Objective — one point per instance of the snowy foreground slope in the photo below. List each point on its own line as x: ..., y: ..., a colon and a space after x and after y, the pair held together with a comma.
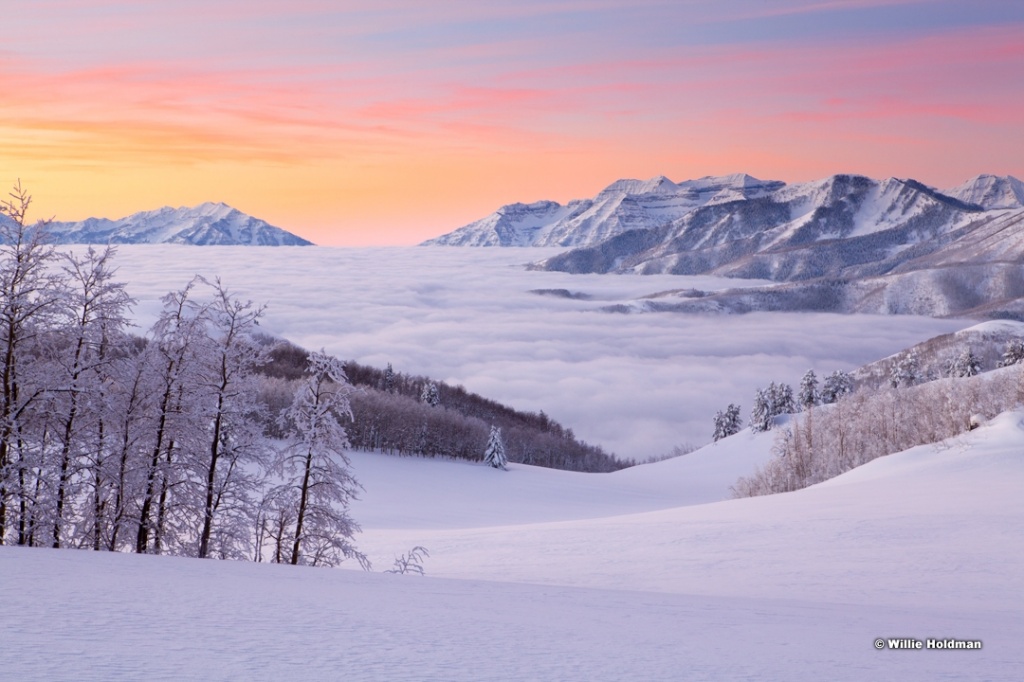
x: 526, y: 585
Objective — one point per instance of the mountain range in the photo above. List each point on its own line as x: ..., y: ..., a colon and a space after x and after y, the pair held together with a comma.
x: 847, y: 243
x: 208, y: 224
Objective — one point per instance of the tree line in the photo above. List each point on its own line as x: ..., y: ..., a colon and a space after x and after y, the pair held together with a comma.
x: 406, y: 414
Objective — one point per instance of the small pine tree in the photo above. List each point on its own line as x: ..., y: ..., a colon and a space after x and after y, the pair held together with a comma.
x: 495, y: 452
x: 389, y: 378
x: 964, y: 364
x: 809, y: 396
x: 430, y: 395
x: 780, y: 397
x: 837, y: 384
x: 1014, y: 353
x: 727, y: 423
x: 761, y: 414
x: 905, y: 371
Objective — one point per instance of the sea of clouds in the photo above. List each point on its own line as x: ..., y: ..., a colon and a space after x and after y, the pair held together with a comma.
x: 637, y: 384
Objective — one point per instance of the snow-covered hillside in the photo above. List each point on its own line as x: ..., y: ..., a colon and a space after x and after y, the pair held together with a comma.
x: 203, y: 225
x: 525, y: 582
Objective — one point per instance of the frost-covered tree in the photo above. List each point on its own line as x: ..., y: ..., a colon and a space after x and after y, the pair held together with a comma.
x: 761, y: 413
x: 389, y: 378
x: 809, y: 395
x: 905, y: 370
x: 318, y: 481
x: 172, y: 361
x: 430, y: 395
x: 781, y: 397
x: 227, y: 467
x: 769, y: 403
x: 30, y: 297
x: 86, y: 344
x: 494, y: 454
x: 1013, y: 354
x: 964, y: 364
x: 727, y: 422
x: 836, y: 385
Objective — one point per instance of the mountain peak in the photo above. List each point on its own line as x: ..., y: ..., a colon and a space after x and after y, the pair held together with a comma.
x: 657, y: 184
x: 209, y: 223
x: 991, y: 191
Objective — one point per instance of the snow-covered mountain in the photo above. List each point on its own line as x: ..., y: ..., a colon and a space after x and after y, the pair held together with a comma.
x: 840, y: 226
x: 991, y: 191
x: 203, y: 225
x: 622, y: 206
x: 843, y: 225
x: 846, y: 243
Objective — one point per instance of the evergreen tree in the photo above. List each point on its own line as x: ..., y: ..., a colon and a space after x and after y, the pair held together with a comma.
x: 964, y: 364
x: 905, y: 371
x: 809, y: 396
x: 1013, y: 354
x: 495, y: 452
x: 769, y: 403
x: 761, y: 414
x: 389, y: 378
x: 728, y: 422
x: 430, y: 395
x: 780, y: 397
x: 837, y: 384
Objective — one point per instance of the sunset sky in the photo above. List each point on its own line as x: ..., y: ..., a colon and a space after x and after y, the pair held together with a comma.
x: 389, y: 122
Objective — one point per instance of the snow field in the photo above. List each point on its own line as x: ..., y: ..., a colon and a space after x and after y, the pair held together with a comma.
x: 919, y: 544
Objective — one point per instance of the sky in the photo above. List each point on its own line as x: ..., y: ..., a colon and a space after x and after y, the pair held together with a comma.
x: 387, y: 123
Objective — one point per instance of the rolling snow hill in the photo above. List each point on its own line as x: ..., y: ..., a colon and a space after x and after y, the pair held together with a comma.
x: 209, y: 224
x: 592, y: 583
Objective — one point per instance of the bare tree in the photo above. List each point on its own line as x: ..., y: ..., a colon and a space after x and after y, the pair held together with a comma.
x: 29, y: 297
x: 318, y: 481
x: 235, y: 440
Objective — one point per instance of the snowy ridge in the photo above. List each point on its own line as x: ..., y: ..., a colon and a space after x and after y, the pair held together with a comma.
x: 846, y: 243
x: 208, y: 224
x: 622, y: 206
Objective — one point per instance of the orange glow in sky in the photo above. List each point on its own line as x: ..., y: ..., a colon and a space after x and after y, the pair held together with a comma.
x: 355, y: 124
